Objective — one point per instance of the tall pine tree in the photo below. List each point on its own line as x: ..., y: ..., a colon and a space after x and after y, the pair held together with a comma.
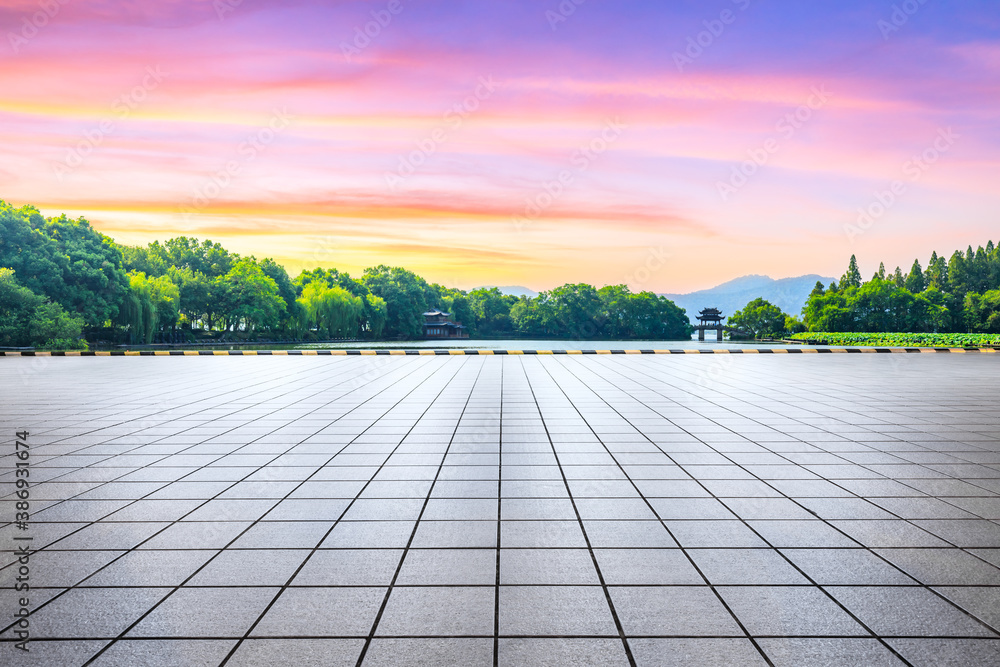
x: 853, y: 276
x: 915, y: 279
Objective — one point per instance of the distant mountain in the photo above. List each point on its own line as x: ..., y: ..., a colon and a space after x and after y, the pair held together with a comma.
x: 789, y: 294
x: 513, y: 290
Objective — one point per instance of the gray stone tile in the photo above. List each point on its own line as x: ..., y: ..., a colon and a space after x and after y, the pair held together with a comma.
x: 438, y: 612
x: 516, y: 488
x: 349, y: 567
x: 802, y: 534
x: 789, y: 611
x: 695, y: 651
x: 982, y: 602
x: 964, y: 532
x: 541, y: 534
x: 89, y: 613
x: 827, y: 652
x: 646, y: 567
x: 448, y: 567
x: 43, y: 653
x: 675, y: 610
x: 194, y: 612
x: 250, y: 567
x: 894, y: 533
x: 536, y: 509
x: 283, y: 535
x: 562, y: 652
x: 298, y: 652
x: 233, y: 510
x: 370, y: 509
x: 988, y: 555
x: 81, y: 510
x: 943, y: 567
x: 921, y: 508
x: 165, y: 652
x: 948, y: 652
x: 690, y: 508
x: 160, y: 510
x: 907, y: 612
x: 197, y: 535
x: 61, y: 569
x: 745, y: 566
x: 369, y: 535
x: 308, y: 509
x: 455, y: 534
x: 844, y: 508
x: 706, y: 534
x: 555, y: 611
x: 846, y: 567
x: 150, y: 568
x: 110, y: 536
x: 848, y: 462
x: 321, y: 612
x: 740, y: 488
x: 624, y: 509
x: 429, y: 652
x: 564, y: 567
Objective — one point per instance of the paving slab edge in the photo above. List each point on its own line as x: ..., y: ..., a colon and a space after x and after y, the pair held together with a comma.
x: 471, y: 352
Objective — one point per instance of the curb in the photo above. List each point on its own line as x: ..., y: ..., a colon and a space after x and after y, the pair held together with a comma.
x: 470, y: 352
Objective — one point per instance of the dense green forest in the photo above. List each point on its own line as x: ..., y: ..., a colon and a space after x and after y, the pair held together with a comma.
x: 956, y: 295
x: 62, y: 284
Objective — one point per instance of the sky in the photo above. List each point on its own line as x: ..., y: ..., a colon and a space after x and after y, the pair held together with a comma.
x: 668, y: 145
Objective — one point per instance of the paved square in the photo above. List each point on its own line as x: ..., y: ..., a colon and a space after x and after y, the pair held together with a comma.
x: 505, y: 510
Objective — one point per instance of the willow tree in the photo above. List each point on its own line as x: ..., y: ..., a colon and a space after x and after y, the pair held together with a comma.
x: 332, y: 310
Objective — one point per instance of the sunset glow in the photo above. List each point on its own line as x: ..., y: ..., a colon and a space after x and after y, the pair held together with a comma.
x: 528, y: 143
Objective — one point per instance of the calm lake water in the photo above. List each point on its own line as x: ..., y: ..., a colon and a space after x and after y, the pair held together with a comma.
x: 535, y: 345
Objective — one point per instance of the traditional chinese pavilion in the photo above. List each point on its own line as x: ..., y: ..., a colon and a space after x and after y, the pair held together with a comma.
x: 710, y: 318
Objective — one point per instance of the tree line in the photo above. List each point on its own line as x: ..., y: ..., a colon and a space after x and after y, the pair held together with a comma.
x: 960, y: 294
x: 63, y: 283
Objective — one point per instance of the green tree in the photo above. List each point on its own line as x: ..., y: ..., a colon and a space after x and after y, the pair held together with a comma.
x: 461, y: 312
x: 250, y: 299
x: 937, y: 273
x: 407, y: 297
x: 151, y: 306
x: 65, y: 260
x: 794, y: 325
x: 205, y: 257
x: 915, y: 282
x: 759, y: 318
x: 898, y: 278
x: 641, y: 316
x: 572, y: 311
x: 852, y: 278
x: 491, y: 309
x: 526, y: 317
x: 196, y: 294
x: 376, y: 314
x: 30, y: 320
x: 286, y: 289
x: 136, y: 259
x: 982, y: 312
x: 335, y: 312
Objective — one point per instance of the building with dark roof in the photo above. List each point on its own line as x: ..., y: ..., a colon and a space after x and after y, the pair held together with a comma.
x: 438, y: 325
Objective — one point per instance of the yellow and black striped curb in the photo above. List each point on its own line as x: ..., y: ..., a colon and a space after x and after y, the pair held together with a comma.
x: 470, y: 352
